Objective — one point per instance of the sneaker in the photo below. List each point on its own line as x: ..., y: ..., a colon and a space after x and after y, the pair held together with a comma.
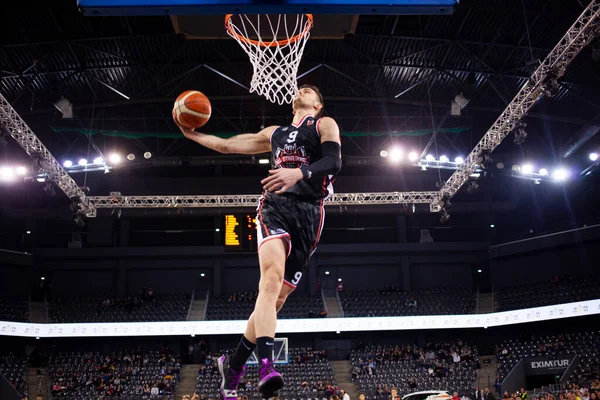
x: 230, y: 379
x: 270, y: 381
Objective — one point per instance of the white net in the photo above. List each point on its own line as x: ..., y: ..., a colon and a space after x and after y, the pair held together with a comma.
x: 275, y: 44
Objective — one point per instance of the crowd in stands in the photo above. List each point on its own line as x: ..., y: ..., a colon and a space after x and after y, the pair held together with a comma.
x: 126, y: 374
x: 240, y: 305
x: 14, y: 310
x: 448, y: 366
x: 584, y: 344
x: 308, y: 375
x: 143, y: 307
x: 14, y: 370
x: 391, y: 301
x: 562, y: 289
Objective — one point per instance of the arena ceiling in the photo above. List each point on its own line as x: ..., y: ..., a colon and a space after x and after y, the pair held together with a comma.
x: 389, y: 83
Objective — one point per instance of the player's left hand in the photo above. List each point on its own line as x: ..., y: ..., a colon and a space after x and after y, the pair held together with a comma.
x: 280, y: 180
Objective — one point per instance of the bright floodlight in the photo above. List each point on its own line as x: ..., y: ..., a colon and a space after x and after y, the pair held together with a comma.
x: 383, y: 153
x: 429, y: 158
x: 7, y: 174
x: 114, y: 158
x: 68, y: 164
x: 459, y: 160
x: 21, y: 170
x: 396, y: 155
x: 82, y: 162
x: 98, y: 161
x: 444, y: 159
x: 147, y: 155
x: 593, y: 156
x: 560, y: 175
x: 131, y: 156
x: 543, y: 172
x: 527, y: 169
x: 413, y: 156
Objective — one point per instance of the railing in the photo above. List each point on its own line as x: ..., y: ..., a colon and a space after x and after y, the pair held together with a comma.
x: 191, y: 305
x: 324, y: 301
x: 206, y: 304
x: 337, y: 296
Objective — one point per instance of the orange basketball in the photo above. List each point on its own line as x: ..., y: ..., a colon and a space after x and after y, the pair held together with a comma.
x: 192, y: 109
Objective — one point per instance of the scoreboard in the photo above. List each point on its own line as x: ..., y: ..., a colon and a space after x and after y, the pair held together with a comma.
x: 240, y: 232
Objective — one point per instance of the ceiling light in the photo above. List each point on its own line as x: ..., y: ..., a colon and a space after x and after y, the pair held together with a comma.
x: 339, y: 279
x: 413, y: 156
x: 43, y: 278
x: 114, y: 158
x: 147, y: 155
x: 41, y: 179
x: 479, y: 270
x: 492, y: 226
x: 203, y: 274
x: 28, y: 232
x: 263, y: 161
x: 429, y: 158
x: 68, y: 164
x: 396, y: 155
x: 217, y: 230
x: 21, y: 170
x: 326, y: 272
x: 383, y: 153
x: 527, y: 169
x: 7, y: 174
x: 82, y: 162
x: 444, y: 159
x: 560, y: 174
x: 459, y: 160
x: 98, y: 161
x: 131, y: 156
x: 543, y: 172
x: 593, y: 156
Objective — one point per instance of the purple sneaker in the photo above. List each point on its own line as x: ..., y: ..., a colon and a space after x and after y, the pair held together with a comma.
x: 230, y: 379
x: 270, y: 381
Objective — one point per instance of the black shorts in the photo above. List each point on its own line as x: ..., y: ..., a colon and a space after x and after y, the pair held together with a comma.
x: 299, y: 222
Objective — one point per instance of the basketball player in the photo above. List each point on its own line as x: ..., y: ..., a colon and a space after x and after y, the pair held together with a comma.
x: 305, y: 157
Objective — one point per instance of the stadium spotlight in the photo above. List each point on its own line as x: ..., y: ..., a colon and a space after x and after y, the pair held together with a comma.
x: 413, y: 156
x: 473, y: 186
x: 527, y: 169
x: 396, y: 155
x: 484, y: 159
x: 444, y: 159
x: 520, y: 136
x: 326, y: 272
x: 383, y: 153
x: 131, y: 156
x: 98, y: 161
x: 114, y: 158
x: 202, y: 274
x: 147, y: 155
x: 82, y: 162
x: 21, y: 170
x: 339, y: 279
x: 543, y: 172
x: 459, y: 160
x: 560, y: 175
x: 593, y: 156
x: 7, y: 174
x: 479, y: 270
x: 68, y: 164
x: 429, y: 158
x: 492, y: 226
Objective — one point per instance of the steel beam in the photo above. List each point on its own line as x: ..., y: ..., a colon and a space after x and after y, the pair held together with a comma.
x: 577, y: 37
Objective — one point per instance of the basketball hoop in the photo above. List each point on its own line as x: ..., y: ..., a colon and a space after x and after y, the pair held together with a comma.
x: 275, y: 53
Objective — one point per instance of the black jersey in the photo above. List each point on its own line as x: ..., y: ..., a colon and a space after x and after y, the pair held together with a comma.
x: 295, y: 145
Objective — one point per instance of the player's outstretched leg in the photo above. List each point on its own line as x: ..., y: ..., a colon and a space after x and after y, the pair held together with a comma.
x: 272, y: 257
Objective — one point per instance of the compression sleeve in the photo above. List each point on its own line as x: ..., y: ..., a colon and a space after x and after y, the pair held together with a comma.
x: 329, y: 164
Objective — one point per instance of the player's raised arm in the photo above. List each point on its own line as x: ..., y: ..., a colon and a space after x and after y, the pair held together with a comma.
x: 246, y: 143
